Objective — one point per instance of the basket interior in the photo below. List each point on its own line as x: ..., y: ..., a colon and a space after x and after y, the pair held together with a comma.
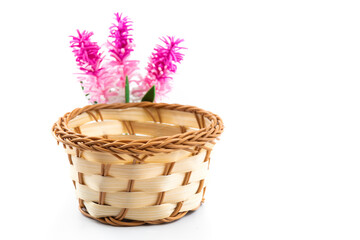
x: 136, y: 123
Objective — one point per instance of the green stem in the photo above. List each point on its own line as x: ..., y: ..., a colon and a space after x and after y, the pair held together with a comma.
x: 127, y: 90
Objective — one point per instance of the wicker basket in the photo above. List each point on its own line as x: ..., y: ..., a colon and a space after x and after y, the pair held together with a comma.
x: 138, y: 163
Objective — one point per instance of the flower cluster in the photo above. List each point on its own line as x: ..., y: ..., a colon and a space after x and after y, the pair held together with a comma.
x: 122, y: 44
x: 86, y: 52
x: 120, y: 48
x: 161, y: 66
x: 96, y: 87
x: 103, y: 80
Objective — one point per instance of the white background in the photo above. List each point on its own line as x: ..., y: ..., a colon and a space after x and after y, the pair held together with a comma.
x: 283, y: 75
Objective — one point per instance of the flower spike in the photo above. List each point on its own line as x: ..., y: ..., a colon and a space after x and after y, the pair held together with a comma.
x: 120, y: 47
x: 86, y: 52
x: 96, y: 86
x: 122, y: 44
x: 161, y: 66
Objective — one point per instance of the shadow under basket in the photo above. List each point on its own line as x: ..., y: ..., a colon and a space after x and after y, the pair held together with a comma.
x: 138, y: 163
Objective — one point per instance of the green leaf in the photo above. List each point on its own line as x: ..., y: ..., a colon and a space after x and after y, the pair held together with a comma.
x: 150, y: 95
x: 127, y: 90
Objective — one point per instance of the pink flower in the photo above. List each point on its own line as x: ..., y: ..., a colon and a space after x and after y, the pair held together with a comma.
x: 120, y: 48
x: 98, y: 88
x: 122, y: 45
x: 86, y: 52
x: 94, y: 79
x: 117, y: 73
x: 161, y: 67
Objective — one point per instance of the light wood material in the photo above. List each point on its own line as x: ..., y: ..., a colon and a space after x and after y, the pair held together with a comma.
x: 137, y: 199
x: 139, y: 115
x: 138, y: 163
x: 155, y: 184
x: 101, y: 157
x: 146, y: 213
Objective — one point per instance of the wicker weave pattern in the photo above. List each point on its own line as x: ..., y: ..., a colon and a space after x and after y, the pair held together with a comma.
x: 138, y: 163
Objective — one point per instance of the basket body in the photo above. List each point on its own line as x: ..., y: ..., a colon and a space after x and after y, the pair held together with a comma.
x: 138, y: 163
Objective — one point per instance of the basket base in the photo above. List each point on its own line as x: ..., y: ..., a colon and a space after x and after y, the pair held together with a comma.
x: 130, y: 223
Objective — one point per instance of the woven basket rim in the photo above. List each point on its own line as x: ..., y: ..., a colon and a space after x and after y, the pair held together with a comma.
x: 163, y: 144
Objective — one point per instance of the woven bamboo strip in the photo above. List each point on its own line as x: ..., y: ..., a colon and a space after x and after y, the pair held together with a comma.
x: 143, y: 214
x: 117, y: 130
x: 99, y: 129
x: 138, y: 172
x: 137, y: 199
x: 156, y: 184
